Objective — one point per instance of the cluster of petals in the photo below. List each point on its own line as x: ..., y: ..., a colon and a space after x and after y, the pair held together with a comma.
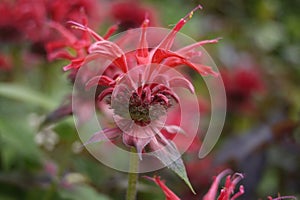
x: 226, y: 193
x: 144, y: 95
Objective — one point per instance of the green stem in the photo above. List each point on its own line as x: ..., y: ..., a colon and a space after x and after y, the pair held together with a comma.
x: 132, y: 175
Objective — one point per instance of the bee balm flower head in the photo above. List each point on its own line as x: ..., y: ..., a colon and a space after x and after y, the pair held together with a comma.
x: 139, y: 84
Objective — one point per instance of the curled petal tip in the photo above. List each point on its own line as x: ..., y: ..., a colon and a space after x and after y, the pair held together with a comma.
x: 146, y: 23
x: 74, y: 25
x: 200, y: 6
x: 67, y: 67
x: 215, y: 74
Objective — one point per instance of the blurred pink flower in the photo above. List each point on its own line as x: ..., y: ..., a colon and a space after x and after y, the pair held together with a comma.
x: 64, y: 11
x: 5, y: 62
x: 27, y: 20
x: 241, y: 85
x: 131, y: 14
x: 51, y: 168
x: 9, y: 31
x: 20, y: 19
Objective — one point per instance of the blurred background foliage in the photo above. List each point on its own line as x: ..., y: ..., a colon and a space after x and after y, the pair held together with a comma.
x: 259, y: 57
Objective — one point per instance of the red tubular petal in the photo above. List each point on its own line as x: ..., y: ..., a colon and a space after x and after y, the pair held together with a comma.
x: 65, y: 32
x: 160, y: 79
x: 223, y: 195
x: 161, y: 97
x: 173, y: 129
x: 147, y: 98
x: 161, y: 54
x: 128, y: 139
x: 104, y: 135
x: 211, y: 194
x: 142, y: 52
x: 110, y: 31
x: 99, y: 80
x: 172, y: 94
x: 168, y: 41
x: 75, y: 64
x: 63, y: 54
x: 78, y: 62
x: 121, y: 63
x: 51, y: 46
x: 182, y: 82
x: 241, y: 192
x: 92, y: 82
x: 198, y: 44
x: 110, y: 51
x: 159, y: 88
x: 104, y: 93
x: 168, y: 193
x: 201, y: 69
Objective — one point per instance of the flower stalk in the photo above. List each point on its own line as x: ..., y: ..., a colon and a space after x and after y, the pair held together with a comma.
x: 132, y: 175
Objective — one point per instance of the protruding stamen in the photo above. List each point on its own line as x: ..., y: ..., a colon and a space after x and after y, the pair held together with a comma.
x: 190, y: 14
x: 79, y: 26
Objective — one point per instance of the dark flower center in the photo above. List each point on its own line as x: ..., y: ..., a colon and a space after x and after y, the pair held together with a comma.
x: 142, y: 105
x: 139, y: 111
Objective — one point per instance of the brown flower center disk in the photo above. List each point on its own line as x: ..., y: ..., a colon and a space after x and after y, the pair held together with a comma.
x: 143, y: 111
x: 139, y: 111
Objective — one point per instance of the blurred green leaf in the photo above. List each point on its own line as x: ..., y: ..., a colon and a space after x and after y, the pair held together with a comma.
x: 26, y: 94
x: 2, y: 197
x: 81, y: 192
x: 17, y: 142
x: 8, y: 157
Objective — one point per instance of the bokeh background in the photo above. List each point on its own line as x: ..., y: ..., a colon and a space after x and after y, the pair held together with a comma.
x: 259, y: 60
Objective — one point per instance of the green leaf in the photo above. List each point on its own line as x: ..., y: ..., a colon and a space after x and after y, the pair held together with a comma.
x: 80, y: 192
x: 170, y: 156
x: 8, y: 157
x: 26, y: 94
x: 17, y: 141
x: 4, y: 197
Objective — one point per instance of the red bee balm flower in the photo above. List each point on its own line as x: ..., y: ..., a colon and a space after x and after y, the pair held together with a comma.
x: 227, y: 193
x: 139, y: 85
x: 241, y: 85
x: 140, y: 92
